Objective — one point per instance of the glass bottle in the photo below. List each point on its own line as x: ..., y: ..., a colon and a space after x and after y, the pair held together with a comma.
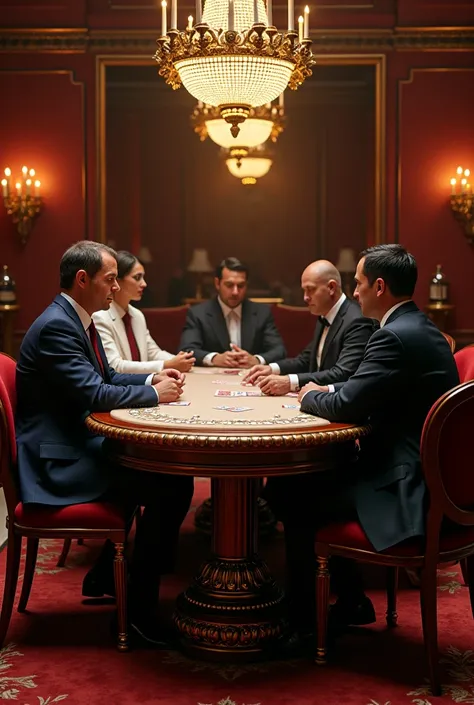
x: 439, y: 287
x: 7, y: 288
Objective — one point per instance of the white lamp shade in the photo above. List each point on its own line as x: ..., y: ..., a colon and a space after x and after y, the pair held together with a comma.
x: 235, y: 79
x: 216, y: 14
x: 200, y: 261
x: 249, y: 167
x: 346, y: 261
x: 252, y: 133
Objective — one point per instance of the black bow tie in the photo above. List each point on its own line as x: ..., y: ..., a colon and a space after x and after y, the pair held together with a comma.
x: 324, y: 321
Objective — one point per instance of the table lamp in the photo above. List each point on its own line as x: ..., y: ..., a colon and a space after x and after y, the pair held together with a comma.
x: 346, y: 264
x: 200, y: 265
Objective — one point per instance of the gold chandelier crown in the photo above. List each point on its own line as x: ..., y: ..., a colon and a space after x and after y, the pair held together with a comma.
x: 233, y: 58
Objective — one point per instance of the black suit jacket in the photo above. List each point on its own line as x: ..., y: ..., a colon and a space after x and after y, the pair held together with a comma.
x: 205, y: 331
x: 58, y: 384
x: 342, y: 352
x: 406, y: 367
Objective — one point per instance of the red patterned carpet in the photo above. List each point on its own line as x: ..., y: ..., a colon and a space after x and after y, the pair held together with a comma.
x: 62, y: 650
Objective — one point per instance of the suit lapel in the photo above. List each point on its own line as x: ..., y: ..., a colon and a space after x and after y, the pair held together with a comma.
x: 333, y: 329
x: 219, y: 325
x: 248, y: 327
x: 318, y: 331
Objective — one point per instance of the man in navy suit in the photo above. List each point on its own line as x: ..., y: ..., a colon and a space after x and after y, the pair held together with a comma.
x: 406, y: 367
x: 62, y: 376
x: 230, y: 330
x: 339, y: 340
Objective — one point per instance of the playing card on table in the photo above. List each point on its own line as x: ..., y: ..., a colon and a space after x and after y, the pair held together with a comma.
x: 233, y: 408
x: 238, y: 393
x: 178, y: 403
x: 291, y: 394
x: 290, y: 406
x: 231, y: 372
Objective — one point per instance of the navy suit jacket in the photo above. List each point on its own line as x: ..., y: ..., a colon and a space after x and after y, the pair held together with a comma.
x: 406, y: 367
x: 58, y: 384
x: 342, y: 351
x: 205, y: 331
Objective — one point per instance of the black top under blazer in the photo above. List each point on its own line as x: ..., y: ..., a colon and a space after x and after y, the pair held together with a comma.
x: 406, y: 367
x: 342, y: 352
x: 205, y: 331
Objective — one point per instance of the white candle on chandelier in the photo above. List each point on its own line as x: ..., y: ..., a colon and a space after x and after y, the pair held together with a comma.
x: 190, y: 22
x: 163, y: 18
x: 269, y: 13
x: 174, y: 14
x: 37, y: 188
x: 291, y: 15
x: 230, y: 18
x: 281, y: 100
x: 28, y: 187
x: 300, y: 28
x: 306, y: 22
x: 463, y: 185
x: 18, y: 188
x: 453, y: 186
x: 198, y: 12
x: 255, y: 11
x: 5, y: 188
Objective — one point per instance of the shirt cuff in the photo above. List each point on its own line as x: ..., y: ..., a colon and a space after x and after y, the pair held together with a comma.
x: 261, y: 359
x: 331, y: 389
x: 275, y: 368
x: 207, y: 360
x: 159, y: 365
x: 294, y: 383
x: 149, y: 379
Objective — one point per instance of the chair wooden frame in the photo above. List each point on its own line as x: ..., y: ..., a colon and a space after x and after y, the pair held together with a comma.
x: 450, y: 340
x: 441, y: 507
x: 17, y: 531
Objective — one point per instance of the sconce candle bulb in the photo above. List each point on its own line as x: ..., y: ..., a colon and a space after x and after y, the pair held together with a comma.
x: 462, y: 203
x: 20, y: 203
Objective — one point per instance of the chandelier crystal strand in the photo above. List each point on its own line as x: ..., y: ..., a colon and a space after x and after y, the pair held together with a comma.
x: 229, y: 61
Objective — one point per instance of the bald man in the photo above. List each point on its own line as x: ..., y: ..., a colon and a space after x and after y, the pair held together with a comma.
x: 339, y: 340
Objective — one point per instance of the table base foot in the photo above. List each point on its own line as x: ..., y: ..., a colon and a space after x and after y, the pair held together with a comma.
x: 232, y: 611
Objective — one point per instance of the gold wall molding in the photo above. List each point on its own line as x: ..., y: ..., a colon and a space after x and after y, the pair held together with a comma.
x: 144, y: 40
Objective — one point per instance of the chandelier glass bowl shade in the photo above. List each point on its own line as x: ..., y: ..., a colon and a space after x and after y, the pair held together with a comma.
x: 264, y: 122
x: 233, y: 58
x: 248, y: 169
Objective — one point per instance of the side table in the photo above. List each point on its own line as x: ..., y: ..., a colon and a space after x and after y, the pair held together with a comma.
x: 440, y: 315
x: 7, y: 314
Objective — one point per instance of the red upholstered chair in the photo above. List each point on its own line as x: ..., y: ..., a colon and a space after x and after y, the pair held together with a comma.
x: 97, y: 520
x: 465, y: 363
x: 445, y: 455
x: 296, y: 326
x: 166, y: 325
x: 451, y: 342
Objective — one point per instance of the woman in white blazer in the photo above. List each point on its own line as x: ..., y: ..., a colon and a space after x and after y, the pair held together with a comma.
x: 131, y: 278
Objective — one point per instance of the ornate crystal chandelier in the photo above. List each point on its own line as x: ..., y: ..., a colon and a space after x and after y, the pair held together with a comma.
x: 233, y: 58
x: 251, y: 167
x: 264, y: 122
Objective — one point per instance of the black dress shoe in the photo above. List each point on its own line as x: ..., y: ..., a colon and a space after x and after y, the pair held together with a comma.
x: 345, y: 614
x: 96, y: 584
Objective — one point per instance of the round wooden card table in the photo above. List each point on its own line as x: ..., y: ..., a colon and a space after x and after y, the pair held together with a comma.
x: 233, y: 609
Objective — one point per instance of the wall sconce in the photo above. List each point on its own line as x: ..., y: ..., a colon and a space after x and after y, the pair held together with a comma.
x: 22, y: 200
x: 461, y: 201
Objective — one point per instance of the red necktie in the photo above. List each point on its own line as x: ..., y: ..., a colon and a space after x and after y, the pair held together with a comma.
x: 127, y: 322
x: 95, y: 345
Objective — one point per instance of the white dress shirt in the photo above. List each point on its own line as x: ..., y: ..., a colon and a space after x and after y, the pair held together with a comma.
x: 391, y: 310
x: 86, y: 321
x: 294, y: 383
x: 233, y: 321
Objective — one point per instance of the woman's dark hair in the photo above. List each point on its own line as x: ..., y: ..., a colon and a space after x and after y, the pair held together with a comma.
x: 394, y: 265
x: 232, y: 263
x: 86, y: 255
x: 125, y: 263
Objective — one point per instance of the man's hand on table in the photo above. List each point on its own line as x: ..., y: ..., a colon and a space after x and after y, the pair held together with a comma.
x: 235, y: 357
x: 244, y: 358
x: 275, y: 385
x: 311, y: 387
x: 256, y: 372
x: 169, y: 388
x: 183, y: 362
x: 172, y: 373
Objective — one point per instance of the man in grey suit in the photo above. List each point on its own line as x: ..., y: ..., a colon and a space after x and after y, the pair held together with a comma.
x: 230, y: 330
x: 339, y: 340
x: 406, y: 367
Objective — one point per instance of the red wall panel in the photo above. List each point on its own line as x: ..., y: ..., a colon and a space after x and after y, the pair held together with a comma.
x: 435, y: 137
x: 43, y: 127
